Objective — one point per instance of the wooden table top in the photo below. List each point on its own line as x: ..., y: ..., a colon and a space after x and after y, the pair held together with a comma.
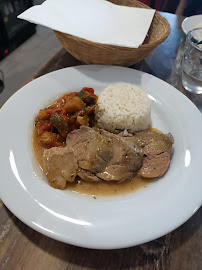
x: 23, y: 248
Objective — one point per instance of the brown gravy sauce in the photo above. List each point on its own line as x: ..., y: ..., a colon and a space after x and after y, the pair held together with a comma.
x: 102, y: 188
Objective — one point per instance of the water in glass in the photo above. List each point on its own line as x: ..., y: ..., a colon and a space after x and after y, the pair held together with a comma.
x: 192, y: 62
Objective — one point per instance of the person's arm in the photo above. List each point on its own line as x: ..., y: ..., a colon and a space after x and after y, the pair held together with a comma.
x: 170, y: 5
x: 181, y: 7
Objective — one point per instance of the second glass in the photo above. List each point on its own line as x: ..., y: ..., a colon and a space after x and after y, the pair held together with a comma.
x: 192, y: 62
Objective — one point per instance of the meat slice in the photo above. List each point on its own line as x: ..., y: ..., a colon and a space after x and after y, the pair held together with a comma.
x: 126, y: 159
x: 59, y: 165
x: 155, y: 165
x: 156, y: 148
x: 152, y: 142
x: 103, y: 154
x: 87, y: 176
x: 91, y: 150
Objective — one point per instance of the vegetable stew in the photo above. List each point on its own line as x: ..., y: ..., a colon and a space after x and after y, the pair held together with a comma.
x: 67, y: 113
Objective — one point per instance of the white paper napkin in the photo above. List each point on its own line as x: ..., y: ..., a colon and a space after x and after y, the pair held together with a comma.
x: 94, y: 20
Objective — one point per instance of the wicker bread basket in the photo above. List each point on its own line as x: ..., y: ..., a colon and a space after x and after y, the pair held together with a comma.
x: 96, y: 53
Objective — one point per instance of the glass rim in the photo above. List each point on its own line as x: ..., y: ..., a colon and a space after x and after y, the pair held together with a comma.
x: 188, y: 37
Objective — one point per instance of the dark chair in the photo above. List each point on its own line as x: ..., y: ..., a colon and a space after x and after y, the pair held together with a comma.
x: 1, y: 81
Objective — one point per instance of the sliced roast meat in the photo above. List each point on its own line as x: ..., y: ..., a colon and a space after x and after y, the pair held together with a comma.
x: 92, y: 150
x: 87, y: 176
x: 116, y: 172
x: 59, y: 165
x: 126, y: 159
x: 152, y: 143
x: 104, y: 154
x: 156, y: 148
x: 95, y: 154
x: 155, y: 165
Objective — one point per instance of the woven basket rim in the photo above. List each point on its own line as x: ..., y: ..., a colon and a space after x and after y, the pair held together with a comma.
x: 91, y: 52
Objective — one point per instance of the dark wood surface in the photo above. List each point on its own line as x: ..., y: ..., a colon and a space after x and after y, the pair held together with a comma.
x: 23, y: 248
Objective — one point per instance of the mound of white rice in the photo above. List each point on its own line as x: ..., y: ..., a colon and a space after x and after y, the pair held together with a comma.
x: 123, y: 106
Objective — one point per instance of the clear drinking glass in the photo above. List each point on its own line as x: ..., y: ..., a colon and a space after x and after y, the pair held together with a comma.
x: 192, y: 62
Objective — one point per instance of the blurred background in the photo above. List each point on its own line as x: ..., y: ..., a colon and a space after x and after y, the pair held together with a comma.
x: 179, y: 7
x: 25, y: 47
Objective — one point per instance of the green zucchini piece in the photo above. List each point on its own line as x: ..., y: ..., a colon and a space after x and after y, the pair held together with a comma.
x: 86, y: 97
x: 59, y: 123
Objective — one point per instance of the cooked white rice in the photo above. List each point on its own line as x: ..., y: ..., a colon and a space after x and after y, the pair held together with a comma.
x: 123, y: 106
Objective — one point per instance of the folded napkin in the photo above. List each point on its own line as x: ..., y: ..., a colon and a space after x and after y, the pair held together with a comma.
x: 94, y: 20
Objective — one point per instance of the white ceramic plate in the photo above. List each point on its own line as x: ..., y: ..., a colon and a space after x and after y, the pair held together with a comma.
x: 110, y: 222
x: 191, y: 22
